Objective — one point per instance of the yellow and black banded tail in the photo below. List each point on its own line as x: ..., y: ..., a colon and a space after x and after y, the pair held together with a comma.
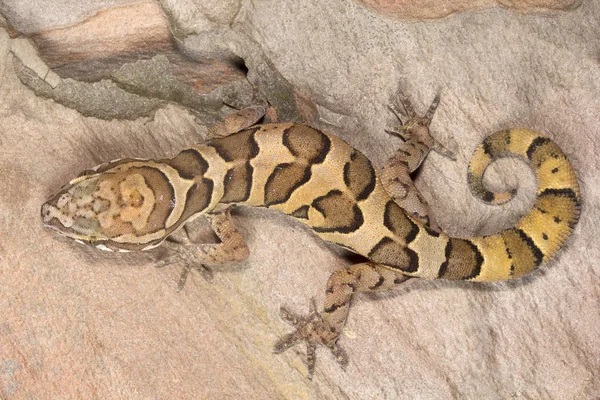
x: 537, y: 236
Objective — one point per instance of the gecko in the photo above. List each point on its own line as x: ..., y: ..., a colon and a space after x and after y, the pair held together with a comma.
x: 319, y: 179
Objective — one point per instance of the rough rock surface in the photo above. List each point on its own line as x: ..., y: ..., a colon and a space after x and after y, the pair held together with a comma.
x: 441, y: 8
x: 79, y: 323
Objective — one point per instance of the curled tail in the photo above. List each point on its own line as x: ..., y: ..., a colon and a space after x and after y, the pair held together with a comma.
x: 537, y: 236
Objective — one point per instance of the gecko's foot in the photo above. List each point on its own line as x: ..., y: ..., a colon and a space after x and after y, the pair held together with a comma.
x: 416, y: 125
x: 314, y: 330
x: 186, y: 256
x: 413, y: 121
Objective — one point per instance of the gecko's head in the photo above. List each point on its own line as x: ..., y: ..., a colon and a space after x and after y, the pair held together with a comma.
x: 102, y: 209
x: 73, y: 211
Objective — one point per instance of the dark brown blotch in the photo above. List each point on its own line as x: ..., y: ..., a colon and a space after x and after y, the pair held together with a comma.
x: 237, y: 184
x: 429, y: 230
x: 507, y: 137
x: 189, y: 164
x: 301, y: 212
x: 240, y: 146
x: 395, y: 255
x: 341, y: 213
x: 396, y: 221
x: 463, y: 260
x: 496, y: 145
x: 284, y: 180
x: 541, y: 149
x: 198, y: 198
x: 476, y: 186
x: 563, y: 204
x: 378, y: 284
x: 307, y: 143
x: 359, y: 175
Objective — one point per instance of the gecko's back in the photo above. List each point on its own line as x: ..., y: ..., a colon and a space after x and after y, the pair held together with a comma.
x: 322, y: 181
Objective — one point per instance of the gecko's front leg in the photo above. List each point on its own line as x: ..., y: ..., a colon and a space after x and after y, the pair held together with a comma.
x: 196, y: 256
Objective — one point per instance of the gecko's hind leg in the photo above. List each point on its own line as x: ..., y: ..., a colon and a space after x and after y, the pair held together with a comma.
x: 236, y: 122
x: 418, y: 141
x: 195, y: 256
x: 324, y: 328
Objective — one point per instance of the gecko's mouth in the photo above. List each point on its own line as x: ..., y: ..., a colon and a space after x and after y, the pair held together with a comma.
x: 47, y: 212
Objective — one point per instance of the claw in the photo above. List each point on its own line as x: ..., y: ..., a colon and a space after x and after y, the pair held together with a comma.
x: 340, y: 355
x: 441, y: 149
x: 394, y: 108
x: 410, y: 111
x: 183, y: 278
x: 400, y: 132
x: 431, y: 110
x: 288, y: 316
x: 315, y: 331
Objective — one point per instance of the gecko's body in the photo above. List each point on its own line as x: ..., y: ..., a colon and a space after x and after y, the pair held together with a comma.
x: 333, y: 188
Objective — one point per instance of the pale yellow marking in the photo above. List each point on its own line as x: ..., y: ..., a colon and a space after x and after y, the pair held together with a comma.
x: 431, y: 251
x: 371, y: 231
x: 564, y: 178
x: 103, y: 247
x: 272, y: 152
x: 134, y: 190
x: 180, y: 191
x: 132, y: 238
x: 172, y: 176
x: 217, y: 169
x: 496, y: 264
x: 75, y: 181
x: 535, y: 224
x: 326, y: 176
x: 520, y: 140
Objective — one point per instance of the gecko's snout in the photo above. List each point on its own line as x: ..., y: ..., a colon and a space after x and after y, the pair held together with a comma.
x: 72, y: 211
x: 45, y: 213
x: 49, y: 211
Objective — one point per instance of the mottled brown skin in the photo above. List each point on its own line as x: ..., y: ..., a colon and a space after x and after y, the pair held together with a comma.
x: 322, y: 181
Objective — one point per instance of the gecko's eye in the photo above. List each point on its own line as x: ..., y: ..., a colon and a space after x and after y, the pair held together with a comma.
x: 87, y: 172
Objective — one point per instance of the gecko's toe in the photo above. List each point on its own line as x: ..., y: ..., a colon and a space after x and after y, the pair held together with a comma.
x: 204, y: 271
